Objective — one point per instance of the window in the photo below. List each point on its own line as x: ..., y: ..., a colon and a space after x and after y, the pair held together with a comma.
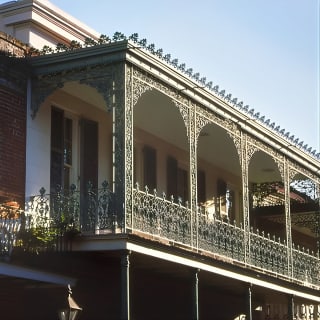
x: 183, y: 190
x: 172, y: 177
x: 64, y: 145
x: 225, y: 199
x: 67, y: 151
x: 88, y: 154
x: 61, y: 150
x: 150, y: 168
x: 201, y: 177
x: 221, y: 198
x: 177, y: 180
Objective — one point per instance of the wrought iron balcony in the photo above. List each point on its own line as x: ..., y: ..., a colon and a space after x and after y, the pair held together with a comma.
x: 10, y: 223
x: 49, y: 219
x: 212, y: 233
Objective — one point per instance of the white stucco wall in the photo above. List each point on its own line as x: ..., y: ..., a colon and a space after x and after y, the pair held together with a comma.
x: 38, y: 141
x: 38, y: 152
x: 39, y: 22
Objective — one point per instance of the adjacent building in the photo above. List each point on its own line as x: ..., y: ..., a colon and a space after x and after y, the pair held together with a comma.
x: 154, y: 193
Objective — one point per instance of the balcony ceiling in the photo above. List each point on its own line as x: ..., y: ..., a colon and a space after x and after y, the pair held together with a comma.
x: 85, y: 93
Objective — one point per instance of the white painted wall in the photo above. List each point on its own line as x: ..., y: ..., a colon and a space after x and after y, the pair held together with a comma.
x: 39, y: 22
x: 38, y: 151
x: 38, y: 140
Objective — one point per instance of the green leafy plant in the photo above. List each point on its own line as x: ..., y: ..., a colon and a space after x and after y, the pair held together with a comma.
x: 37, y: 239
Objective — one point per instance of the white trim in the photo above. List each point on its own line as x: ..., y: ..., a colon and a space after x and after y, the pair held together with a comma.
x: 10, y: 270
x: 123, y: 244
x: 219, y: 271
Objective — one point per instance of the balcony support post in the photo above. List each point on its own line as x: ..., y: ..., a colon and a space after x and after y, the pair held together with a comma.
x: 195, y: 293
x: 122, y: 146
x: 246, y: 153
x: 249, y: 303
x: 192, y: 132
x: 125, y: 285
x: 291, y: 307
x: 287, y: 179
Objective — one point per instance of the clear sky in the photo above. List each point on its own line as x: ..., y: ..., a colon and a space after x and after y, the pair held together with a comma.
x: 265, y: 53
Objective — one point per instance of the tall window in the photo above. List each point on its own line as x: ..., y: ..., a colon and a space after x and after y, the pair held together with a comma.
x: 183, y: 190
x: 61, y: 149
x: 177, y: 180
x: 225, y: 199
x: 150, y: 167
x: 201, y: 182
x: 67, y: 151
x: 88, y: 154
x: 221, y: 198
x: 172, y: 176
x: 64, y: 145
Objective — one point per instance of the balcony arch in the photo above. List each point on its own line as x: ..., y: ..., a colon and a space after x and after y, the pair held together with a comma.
x: 161, y: 149
x: 267, y: 196
x: 219, y: 174
x: 101, y: 82
x: 304, y: 210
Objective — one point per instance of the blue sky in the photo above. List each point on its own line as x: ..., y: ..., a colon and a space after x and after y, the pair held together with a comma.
x: 265, y: 53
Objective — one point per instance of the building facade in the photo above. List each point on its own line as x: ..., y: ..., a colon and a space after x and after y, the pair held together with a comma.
x: 156, y: 194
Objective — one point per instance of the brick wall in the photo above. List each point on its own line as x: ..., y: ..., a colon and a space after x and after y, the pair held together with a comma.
x: 13, y: 82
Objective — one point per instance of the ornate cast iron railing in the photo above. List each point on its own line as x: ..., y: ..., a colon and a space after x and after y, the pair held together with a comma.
x: 51, y: 219
x: 305, y: 266
x: 158, y: 216
x: 161, y: 217
x: 89, y: 211
x: 269, y: 254
x: 218, y: 236
x: 10, y: 223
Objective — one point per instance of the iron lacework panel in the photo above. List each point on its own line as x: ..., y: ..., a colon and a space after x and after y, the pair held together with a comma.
x: 160, y: 217
x: 10, y: 224
x: 49, y: 218
x: 305, y: 266
x: 88, y: 211
x: 268, y: 253
x: 52, y: 218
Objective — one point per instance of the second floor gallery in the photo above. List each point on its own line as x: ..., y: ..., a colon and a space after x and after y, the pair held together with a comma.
x: 175, y: 158
x: 119, y: 141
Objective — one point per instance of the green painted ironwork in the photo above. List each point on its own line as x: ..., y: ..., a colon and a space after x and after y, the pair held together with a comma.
x: 51, y: 219
x: 10, y: 224
x: 172, y: 221
x: 161, y: 217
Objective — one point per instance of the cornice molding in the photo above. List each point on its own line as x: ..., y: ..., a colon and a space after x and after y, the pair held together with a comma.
x: 48, y: 17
